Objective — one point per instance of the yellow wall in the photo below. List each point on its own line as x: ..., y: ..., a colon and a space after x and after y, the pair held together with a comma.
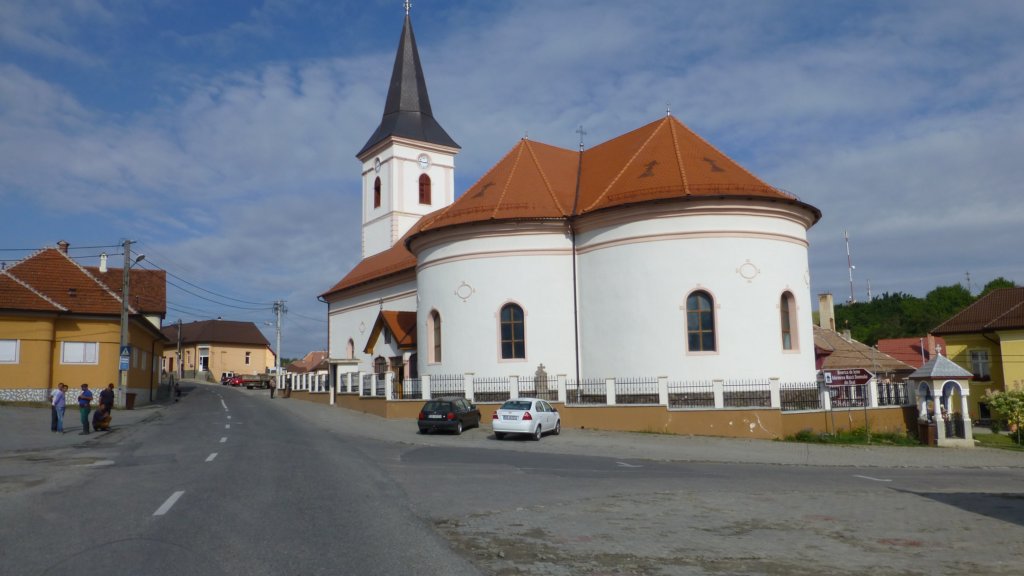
x: 35, y: 341
x: 40, y: 365
x: 1012, y: 344
x: 223, y: 358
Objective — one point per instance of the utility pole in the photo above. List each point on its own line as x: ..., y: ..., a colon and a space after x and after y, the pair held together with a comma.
x: 124, y: 351
x: 179, y: 364
x: 278, y: 310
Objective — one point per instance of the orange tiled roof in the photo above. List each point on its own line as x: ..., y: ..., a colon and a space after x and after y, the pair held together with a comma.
x: 16, y: 295
x: 660, y: 161
x: 1001, y: 309
x: 401, y: 324
x: 908, y: 350
x: 148, y: 291
x: 853, y: 354
x: 63, y: 281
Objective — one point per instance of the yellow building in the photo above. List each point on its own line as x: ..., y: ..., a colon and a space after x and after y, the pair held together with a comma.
x: 61, y: 322
x: 987, y: 338
x: 209, y: 348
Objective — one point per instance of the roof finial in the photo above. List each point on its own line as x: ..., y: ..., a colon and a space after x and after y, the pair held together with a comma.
x: 408, y: 5
x: 668, y: 108
x: 582, y: 133
x: 526, y: 135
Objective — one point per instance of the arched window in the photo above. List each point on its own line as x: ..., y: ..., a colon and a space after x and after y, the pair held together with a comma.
x: 700, y: 322
x: 787, y: 315
x: 350, y: 349
x: 434, y: 331
x: 424, y: 189
x: 376, y: 193
x: 380, y: 366
x: 513, y: 332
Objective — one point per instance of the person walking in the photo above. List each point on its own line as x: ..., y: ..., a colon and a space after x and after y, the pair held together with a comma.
x: 107, y: 397
x: 273, y: 386
x: 58, y: 406
x: 84, y: 401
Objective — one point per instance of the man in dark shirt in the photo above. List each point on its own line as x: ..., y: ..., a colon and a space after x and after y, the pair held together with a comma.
x: 84, y: 401
x: 107, y: 397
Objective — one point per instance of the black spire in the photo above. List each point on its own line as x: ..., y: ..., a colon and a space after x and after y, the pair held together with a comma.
x: 407, y: 110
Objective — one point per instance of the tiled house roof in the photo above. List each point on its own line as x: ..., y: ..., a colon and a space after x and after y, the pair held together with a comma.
x: 312, y: 361
x: 909, y: 350
x: 217, y: 332
x: 852, y: 354
x: 59, y: 283
x: 1001, y: 309
x: 402, y: 326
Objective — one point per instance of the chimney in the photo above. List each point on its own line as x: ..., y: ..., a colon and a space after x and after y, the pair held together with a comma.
x: 931, y: 346
x: 826, y: 311
x: 103, y: 263
x: 63, y: 246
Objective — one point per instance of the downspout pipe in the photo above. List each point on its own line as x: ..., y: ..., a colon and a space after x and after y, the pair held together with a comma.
x: 575, y: 279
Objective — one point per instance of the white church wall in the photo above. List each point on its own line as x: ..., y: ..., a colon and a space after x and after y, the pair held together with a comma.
x: 635, y: 278
x: 467, y: 280
x: 353, y: 317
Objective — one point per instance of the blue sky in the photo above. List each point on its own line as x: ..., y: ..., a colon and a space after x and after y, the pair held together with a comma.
x: 221, y: 135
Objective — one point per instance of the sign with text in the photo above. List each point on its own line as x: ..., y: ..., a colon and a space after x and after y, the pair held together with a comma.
x: 847, y: 377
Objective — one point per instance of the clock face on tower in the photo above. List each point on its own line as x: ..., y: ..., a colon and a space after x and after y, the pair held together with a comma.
x: 424, y: 161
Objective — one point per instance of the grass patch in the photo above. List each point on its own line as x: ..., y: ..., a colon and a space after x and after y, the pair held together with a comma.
x: 1001, y: 441
x: 858, y: 436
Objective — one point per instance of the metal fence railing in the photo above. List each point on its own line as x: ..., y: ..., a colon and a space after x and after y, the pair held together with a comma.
x: 447, y: 385
x: 545, y: 388
x: 636, y: 391
x: 892, y: 394
x: 799, y: 396
x: 586, y: 392
x: 848, y: 395
x: 491, y: 389
x: 367, y: 384
x: 746, y: 394
x: 408, y: 389
x: 700, y: 394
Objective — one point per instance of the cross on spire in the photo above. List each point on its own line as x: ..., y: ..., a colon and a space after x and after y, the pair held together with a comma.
x: 582, y: 133
x: 408, y: 5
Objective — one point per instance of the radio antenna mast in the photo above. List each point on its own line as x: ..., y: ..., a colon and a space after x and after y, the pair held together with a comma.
x: 850, y: 266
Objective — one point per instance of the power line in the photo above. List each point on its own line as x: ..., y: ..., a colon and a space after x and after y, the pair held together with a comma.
x: 173, y: 275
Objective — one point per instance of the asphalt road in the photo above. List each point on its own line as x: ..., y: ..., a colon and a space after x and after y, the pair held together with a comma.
x: 301, y: 488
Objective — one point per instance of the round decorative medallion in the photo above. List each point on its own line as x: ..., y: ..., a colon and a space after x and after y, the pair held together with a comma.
x: 424, y: 161
x: 748, y: 271
x: 807, y: 277
x: 464, y: 291
x: 376, y: 165
x: 362, y: 327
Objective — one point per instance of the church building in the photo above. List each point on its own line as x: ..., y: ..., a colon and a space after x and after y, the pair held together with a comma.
x: 651, y: 254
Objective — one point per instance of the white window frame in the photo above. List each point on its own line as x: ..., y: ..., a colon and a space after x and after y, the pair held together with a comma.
x: 981, y: 358
x: 88, y: 352
x: 248, y: 358
x: 10, y: 351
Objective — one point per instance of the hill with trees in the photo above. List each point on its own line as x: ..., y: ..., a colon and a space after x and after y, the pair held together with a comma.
x: 901, y: 315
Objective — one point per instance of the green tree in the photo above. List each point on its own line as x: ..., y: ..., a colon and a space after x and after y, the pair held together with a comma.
x: 999, y: 282
x: 1009, y: 404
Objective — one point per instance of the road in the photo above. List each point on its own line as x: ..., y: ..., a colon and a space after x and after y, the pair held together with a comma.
x: 300, y: 488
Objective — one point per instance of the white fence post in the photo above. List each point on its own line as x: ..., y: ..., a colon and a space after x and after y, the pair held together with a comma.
x: 872, y: 390
x: 373, y: 384
x: 826, y: 397
x: 775, y: 391
x: 663, y: 390
x: 425, y: 383
x: 561, y: 387
x: 609, y: 390
x: 469, y: 386
x: 718, y: 386
x: 513, y: 387
x: 334, y: 394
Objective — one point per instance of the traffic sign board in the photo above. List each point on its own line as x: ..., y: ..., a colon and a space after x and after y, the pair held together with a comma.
x: 848, y: 377
x: 126, y: 351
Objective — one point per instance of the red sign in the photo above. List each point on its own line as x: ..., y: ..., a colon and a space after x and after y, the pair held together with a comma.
x: 847, y: 377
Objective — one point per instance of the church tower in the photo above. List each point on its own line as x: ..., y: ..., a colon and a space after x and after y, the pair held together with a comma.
x: 409, y: 161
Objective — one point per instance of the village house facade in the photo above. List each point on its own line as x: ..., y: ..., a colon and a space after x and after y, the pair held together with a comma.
x: 61, y: 322
x: 209, y: 348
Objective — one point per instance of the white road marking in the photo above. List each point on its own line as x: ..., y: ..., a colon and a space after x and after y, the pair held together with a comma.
x: 211, y: 457
x: 229, y: 417
x: 224, y: 405
x: 873, y: 479
x: 625, y: 465
x: 227, y: 426
x: 167, y: 504
x: 98, y: 463
x: 223, y: 439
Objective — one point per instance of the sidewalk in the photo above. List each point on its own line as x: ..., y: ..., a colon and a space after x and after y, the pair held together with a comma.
x: 26, y: 429
x: 640, y: 446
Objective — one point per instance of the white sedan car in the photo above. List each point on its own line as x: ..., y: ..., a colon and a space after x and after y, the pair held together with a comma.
x: 526, y: 416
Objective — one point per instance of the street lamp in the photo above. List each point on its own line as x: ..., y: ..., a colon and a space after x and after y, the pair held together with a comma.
x: 124, y: 350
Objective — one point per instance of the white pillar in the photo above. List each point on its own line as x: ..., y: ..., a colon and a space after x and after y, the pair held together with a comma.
x: 609, y: 391
x: 561, y: 387
x: 775, y: 392
x: 663, y: 390
x: 513, y: 387
x: 872, y: 389
x: 719, y: 389
x: 425, y: 383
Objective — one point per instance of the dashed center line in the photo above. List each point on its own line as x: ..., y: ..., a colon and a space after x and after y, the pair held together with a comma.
x: 873, y: 479
x: 211, y: 457
x: 222, y: 403
x: 168, y: 503
x: 227, y: 426
x: 223, y: 439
